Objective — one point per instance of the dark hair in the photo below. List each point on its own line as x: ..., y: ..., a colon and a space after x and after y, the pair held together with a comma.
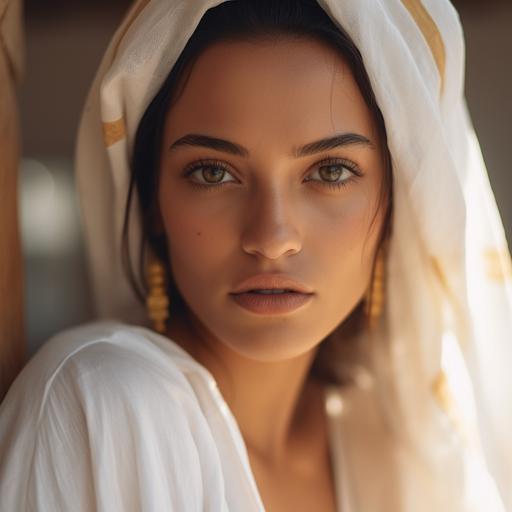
x: 239, y: 20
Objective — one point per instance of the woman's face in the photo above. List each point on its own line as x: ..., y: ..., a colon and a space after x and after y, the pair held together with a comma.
x: 278, y: 209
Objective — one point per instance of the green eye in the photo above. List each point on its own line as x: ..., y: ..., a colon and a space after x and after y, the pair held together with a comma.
x: 333, y: 172
x: 211, y: 172
x: 336, y: 173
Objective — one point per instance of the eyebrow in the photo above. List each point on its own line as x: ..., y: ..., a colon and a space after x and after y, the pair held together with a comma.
x: 344, y: 139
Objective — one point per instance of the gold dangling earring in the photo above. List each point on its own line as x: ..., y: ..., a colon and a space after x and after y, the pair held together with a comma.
x: 157, y: 301
x: 374, y: 303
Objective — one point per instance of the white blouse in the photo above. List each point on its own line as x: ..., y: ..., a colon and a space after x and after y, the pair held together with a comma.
x: 112, y: 417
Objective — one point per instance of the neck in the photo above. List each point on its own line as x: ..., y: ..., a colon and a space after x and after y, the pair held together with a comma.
x: 271, y: 401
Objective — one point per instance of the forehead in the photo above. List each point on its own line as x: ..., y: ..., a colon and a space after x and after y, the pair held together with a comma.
x: 270, y: 88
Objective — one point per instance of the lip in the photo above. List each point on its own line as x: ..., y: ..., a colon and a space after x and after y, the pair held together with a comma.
x: 271, y: 281
x: 275, y: 304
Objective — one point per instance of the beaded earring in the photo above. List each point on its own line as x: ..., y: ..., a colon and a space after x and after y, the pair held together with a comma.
x: 374, y: 303
x: 157, y: 301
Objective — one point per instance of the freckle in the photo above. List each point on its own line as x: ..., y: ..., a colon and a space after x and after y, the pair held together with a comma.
x: 198, y: 233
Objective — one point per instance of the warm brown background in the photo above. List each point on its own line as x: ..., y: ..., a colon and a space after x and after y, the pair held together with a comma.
x: 65, y: 40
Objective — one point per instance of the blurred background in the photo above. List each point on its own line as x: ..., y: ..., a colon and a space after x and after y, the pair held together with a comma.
x: 65, y: 40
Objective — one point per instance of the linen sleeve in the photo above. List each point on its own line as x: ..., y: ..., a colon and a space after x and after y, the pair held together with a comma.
x: 61, y: 475
x: 44, y: 452
x: 102, y: 439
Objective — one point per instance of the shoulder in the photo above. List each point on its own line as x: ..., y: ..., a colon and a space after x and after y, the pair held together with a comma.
x: 104, y: 398
x: 107, y: 370
x: 103, y: 353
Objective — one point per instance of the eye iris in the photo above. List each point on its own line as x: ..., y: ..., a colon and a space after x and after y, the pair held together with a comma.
x: 216, y: 172
x: 333, y: 173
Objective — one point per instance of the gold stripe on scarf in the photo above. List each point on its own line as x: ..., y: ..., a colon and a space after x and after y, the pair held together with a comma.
x: 431, y: 34
x: 443, y: 395
x: 114, y: 132
x: 450, y: 296
x: 498, y: 265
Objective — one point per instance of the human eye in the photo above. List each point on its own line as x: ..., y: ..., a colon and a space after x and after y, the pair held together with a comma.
x: 210, y: 171
x: 336, y: 173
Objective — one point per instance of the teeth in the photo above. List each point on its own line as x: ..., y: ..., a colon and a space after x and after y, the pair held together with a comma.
x: 269, y: 291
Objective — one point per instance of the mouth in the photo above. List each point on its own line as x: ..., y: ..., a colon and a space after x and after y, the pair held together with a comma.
x: 271, y: 291
x: 271, y: 302
x: 266, y: 284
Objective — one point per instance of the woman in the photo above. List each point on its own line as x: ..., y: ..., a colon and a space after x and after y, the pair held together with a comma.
x: 254, y: 138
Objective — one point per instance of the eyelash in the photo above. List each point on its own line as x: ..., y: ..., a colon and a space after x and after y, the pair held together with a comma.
x: 329, y: 161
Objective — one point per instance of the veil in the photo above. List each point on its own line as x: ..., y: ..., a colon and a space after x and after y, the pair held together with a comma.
x: 441, y: 359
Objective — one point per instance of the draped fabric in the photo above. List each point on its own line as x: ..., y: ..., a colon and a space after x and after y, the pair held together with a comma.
x: 440, y: 359
x: 114, y: 418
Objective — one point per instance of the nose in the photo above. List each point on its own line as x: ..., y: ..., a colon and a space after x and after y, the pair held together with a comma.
x: 271, y: 228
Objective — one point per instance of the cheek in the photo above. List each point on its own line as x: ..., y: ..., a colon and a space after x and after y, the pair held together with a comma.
x: 198, y: 243
x: 346, y: 241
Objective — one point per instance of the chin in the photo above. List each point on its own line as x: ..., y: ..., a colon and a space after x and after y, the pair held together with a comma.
x: 271, y: 345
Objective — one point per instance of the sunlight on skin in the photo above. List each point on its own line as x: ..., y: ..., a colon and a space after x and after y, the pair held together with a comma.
x: 275, y: 212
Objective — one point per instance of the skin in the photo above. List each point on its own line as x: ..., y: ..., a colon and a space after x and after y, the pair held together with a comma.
x: 269, y: 218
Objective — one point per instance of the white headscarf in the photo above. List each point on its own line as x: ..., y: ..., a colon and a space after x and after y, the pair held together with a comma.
x: 442, y: 359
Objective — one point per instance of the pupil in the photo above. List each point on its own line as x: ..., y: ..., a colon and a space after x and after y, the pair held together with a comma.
x: 333, y: 172
x: 216, y: 172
